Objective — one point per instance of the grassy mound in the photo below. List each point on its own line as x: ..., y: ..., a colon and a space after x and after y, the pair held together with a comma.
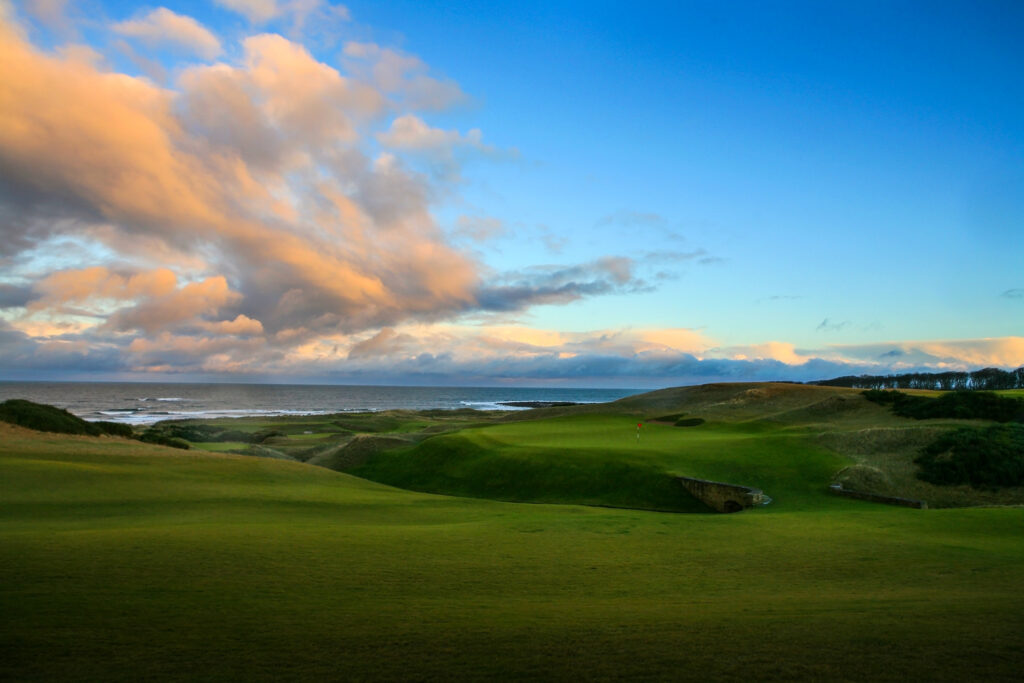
x: 864, y: 478
x: 354, y: 453
x: 162, y: 439
x: 598, y: 460
x: 44, y: 418
x: 468, y: 464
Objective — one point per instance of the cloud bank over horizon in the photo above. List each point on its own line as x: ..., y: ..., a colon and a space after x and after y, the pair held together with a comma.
x: 266, y: 213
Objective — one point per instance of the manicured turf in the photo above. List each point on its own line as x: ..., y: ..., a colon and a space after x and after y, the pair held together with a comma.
x: 123, y: 561
x: 598, y: 459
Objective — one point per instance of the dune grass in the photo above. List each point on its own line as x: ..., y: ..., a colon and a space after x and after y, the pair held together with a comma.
x: 120, y: 560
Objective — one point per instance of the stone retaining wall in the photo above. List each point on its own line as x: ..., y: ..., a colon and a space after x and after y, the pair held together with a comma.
x: 723, y: 497
x: 876, y: 498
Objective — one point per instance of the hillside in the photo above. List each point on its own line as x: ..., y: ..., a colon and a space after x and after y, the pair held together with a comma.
x: 790, y: 440
x: 121, y: 560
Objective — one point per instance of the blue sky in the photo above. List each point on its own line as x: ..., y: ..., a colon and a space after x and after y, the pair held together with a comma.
x: 591, y: 193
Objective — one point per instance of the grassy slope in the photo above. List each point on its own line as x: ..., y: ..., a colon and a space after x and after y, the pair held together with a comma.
x: 120, y: 560
x: 789, y: 440
x: 595, y: 459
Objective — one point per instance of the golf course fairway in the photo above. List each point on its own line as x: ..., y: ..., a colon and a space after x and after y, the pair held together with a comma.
x: 126, y: 561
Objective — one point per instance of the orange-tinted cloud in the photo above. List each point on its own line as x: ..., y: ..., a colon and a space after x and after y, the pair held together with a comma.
x: 255, y: 10
x: 162, y: 26
x: 248, y: 217
x: 99, y: 282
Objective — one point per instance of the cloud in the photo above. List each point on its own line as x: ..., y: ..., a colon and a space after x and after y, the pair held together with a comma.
x: 560, y: 284
x: 256, y: 11
x: 98, y: 282
x: 410, y: 133
x: 14, y: 296
x: 387, y: 342
x: 552, y: 242
x: 778, y: 297
x: 307, y: 16
x: 1013, y: 294
x: 162, y: 26
x: 247, y: 200
x: 626, y: 218
x: 241, y: 326
x: 958, y: 354
x: 52, y: 13
x: 480, y: 228
x: 243, y: 219
x: 827, y: 325
x: 403, y: 76
x: 188, y: 303
x: 129, y: 159
x: 444, y: 150
x: 777, y: 351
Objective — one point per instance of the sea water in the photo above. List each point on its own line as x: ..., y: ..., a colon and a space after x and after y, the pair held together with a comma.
x: 146, y: 403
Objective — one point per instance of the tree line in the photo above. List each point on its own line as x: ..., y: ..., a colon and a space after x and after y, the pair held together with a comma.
x: 988, y: 379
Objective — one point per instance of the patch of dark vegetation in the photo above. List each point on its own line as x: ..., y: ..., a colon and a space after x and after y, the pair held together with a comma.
x: 457, y: 412
x: 368, y: 422
x: 881, y: 396
x: 668, y: 418
x: 988, y: 379
x: 161, y: 439
x: 965, y: 405
x: 204, y: 433
x: 115, y: 428
x: 44, y: 418
x: 689, y: 422
x: 983, y: 458
x: 168, y: 431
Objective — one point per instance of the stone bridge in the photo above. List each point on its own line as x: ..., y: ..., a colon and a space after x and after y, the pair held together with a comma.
x: 723, y: 497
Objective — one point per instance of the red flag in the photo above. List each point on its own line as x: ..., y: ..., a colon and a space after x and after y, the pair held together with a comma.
x: 638, y: 424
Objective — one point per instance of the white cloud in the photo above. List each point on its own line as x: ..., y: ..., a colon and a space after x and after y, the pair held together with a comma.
x: 162, y: 26
x: 256, y: 11
x: 403, y: 76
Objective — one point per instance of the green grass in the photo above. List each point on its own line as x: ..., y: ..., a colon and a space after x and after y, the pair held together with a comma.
x: 219, y: 446
x: 598, y: 460
x: 124, y: 561
x: 790, y: 440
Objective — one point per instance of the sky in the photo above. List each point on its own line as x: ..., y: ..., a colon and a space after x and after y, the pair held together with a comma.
x: 598, y: 194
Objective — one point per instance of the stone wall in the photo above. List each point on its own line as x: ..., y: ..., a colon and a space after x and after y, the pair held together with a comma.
x: 876, y: 498
x: 723, y: 497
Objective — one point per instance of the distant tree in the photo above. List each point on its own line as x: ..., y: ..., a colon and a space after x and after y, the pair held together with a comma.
x: 987, y: 379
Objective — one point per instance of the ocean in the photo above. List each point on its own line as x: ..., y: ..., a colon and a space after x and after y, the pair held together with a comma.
x: 145, y: 403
